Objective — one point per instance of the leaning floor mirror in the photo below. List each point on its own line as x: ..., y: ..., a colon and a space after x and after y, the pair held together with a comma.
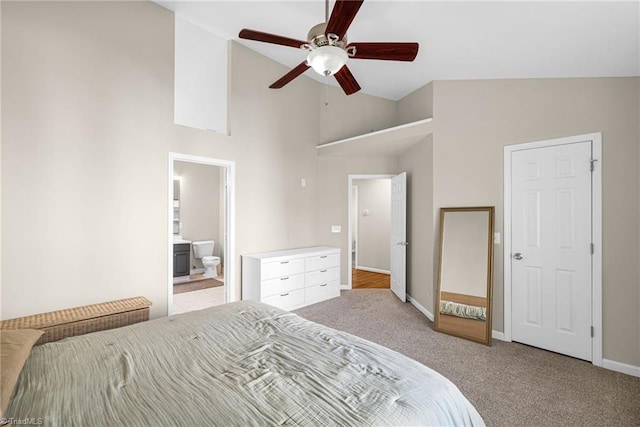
x: 465, y: 274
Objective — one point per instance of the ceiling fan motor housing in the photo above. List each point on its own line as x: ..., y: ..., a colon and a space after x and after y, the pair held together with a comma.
x: 317, y: 37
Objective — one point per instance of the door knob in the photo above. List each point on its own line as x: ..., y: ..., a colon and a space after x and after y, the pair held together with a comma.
x: 403, y: 243
x: 518, y: 256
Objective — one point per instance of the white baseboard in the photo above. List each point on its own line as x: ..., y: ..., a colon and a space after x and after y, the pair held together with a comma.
x: 420, y: 307
x: 612, y: 365
x: 344, y: 287
x: 373, y: 270
x: 197, y: 270
x: 497, y: 335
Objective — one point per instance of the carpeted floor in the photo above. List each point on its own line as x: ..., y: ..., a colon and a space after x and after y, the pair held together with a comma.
x: 510, y: 384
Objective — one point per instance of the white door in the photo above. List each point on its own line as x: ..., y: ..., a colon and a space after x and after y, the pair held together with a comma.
x: 551, y: 248
x: 399, y: 236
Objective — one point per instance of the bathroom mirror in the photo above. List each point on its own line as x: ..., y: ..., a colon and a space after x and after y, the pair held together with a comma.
x: 465, y: 273
x: 176, y: 205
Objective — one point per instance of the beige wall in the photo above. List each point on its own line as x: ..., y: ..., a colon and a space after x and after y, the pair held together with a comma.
x: 474, y: 120
x: 199, y: 204
x: 84, y: 154
x: 333, y: 172
x: 87, y: 126
x: 418, y: 105
x: 418, y: 163
x: 374, y: 229
x: 353, y: 115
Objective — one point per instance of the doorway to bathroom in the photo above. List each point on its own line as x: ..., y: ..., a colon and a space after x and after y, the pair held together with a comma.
x: 200, y: 221
x: 370, y: 231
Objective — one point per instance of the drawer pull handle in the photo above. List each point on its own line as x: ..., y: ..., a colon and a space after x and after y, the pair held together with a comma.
x: 323, y: 271
x: 323, y: 256
x: 284, y: 278
x: 284, y: 295
x: 324, y: 285
x: 284, y: 262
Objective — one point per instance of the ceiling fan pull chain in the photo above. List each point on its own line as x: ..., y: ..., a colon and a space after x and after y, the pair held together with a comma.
x: 326, y: 91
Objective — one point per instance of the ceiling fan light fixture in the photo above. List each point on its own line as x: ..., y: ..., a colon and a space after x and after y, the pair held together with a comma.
x: 329, y: 49
x: 327, y: 60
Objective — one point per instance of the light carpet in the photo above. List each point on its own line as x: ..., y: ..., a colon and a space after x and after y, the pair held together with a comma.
x: 509, y: 383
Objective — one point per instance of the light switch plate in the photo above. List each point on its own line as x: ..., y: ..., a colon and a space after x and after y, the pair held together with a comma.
x: 496, y: 238
x: 303, y: 182
x: 336, y: 229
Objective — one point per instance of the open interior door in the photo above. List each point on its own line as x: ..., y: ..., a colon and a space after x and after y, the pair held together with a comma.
x: 399, y: 236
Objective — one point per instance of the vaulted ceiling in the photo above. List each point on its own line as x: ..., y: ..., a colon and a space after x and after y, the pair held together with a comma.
x: 458, y: 40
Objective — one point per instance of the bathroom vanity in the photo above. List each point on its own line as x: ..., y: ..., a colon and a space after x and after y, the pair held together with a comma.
x: 292, y: 278
x: 181, y: 259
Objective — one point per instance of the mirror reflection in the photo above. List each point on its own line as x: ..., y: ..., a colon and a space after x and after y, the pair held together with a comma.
x: 465, y: 273
x: 176, y: 205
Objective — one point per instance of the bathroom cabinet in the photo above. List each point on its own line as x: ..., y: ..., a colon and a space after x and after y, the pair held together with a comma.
x: 181, y: 259
x: 292, y: 278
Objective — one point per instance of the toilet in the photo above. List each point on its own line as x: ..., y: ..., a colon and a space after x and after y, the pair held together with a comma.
x: 204, y: 250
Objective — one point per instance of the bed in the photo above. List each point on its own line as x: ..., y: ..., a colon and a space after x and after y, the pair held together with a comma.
x: 244, y: 363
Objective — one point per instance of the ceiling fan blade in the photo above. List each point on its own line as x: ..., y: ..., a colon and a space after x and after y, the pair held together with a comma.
x: 269, y: 38
x: 290, y: 76
x: 385, y: 51
x: 342, y: 15
x: 346, y: 80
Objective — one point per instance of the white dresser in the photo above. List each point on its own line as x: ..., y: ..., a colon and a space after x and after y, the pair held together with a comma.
x: 292, y: 278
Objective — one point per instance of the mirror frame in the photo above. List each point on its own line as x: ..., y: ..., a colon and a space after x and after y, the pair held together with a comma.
x: 486, y: 338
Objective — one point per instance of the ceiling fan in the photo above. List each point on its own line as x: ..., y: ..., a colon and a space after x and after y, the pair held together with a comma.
x: 329, y: 50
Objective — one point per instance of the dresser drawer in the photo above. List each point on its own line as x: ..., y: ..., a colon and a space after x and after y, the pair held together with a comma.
x: 280, y: 285
x: 287, y: 300
x: 181, y: 247
x: 275, y: 269
x: 322, y: 262
x: 317, y: 293
x: 322, y: 276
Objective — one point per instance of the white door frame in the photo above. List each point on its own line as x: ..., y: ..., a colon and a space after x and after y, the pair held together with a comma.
x: 350, y: 179
x: 229, y: 224
x: 354, y: 189
x: 596, y: 232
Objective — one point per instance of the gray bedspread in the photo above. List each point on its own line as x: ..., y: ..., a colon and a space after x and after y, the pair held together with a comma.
x: 240, y: 364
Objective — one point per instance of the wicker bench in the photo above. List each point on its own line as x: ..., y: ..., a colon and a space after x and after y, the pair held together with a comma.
x: 83, y: 320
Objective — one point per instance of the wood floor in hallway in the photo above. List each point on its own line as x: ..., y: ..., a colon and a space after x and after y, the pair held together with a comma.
x: 368, y: 280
